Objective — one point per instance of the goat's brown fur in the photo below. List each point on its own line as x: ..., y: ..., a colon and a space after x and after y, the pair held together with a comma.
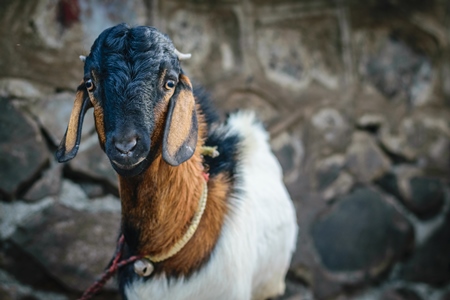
x: 99, y: 124
x: 161, y: 203
x: 72, y: 129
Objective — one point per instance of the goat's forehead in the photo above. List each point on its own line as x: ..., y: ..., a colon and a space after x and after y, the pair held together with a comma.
x: 138, y: 46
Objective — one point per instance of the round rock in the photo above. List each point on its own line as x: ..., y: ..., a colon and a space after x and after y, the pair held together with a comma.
x: 422, y: 195
x: 426, y: 196
x: 365, y: 160
x: 362, y: 235
x: 430, y: 263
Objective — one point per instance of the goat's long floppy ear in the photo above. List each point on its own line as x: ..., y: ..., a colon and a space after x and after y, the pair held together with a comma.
x: 181, y: 129
x: 68, y: 147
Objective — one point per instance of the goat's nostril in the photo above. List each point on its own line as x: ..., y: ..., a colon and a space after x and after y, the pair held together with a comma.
x: 126, y: 146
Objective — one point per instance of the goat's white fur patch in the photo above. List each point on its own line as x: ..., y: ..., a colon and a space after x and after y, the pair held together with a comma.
x: 254, y: 250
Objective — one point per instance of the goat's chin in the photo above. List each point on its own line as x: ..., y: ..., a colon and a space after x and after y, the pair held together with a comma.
x: 130, y: 170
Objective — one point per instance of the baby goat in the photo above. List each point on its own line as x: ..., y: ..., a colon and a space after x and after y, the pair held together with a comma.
x: 202, y: 201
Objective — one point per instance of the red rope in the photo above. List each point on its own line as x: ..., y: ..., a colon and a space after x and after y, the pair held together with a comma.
x: 115, y: 265
x: 205, y: 176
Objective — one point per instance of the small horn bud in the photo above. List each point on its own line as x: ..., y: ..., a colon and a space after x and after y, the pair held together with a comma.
x: 143, y: 267
x: 82, y: 58
x: 182, y: 56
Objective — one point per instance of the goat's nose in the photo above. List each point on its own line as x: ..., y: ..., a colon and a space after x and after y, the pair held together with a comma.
x: 126, y: 145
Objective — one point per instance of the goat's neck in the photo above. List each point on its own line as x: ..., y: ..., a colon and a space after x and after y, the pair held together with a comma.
x: 158, y: 208
x: 161, y: 204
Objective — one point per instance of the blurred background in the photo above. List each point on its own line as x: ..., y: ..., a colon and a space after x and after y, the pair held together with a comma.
x: 355, y: 95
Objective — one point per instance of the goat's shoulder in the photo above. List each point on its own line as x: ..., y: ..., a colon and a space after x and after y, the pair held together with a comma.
x: 203, y: 99
x: 243, y: 144
x: 219, y: 136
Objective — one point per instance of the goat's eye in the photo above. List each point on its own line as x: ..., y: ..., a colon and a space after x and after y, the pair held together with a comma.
x: 89, y: 85
x: 170, y: 84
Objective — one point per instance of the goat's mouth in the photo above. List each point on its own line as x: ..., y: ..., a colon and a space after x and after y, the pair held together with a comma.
x: 128, y: 169
x: 128, y: 166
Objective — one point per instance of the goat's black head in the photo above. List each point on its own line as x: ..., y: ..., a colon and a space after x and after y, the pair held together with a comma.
x: 142, y: 101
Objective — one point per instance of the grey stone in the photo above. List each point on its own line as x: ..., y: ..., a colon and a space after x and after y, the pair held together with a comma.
x: 215, y: 50
x: 423, y: 195
x: 331, y: 180
x: 93, y: 163
x: 46, y: 47
x: 325, y: 178
x: 341, y: 186
x: 371, y: 122
x: 399, y: 294
x: 34, y: 52
x: 445, y: 296
x: 331, y: 124
x: 12, y: 289
x: 22, y: 89
x: 296, y: 291
x: 371, y: 119
x: 190, y: 35
x: 389, y: 183
x: 348, y: 243
x: 329, y: 132
x: 396, y: 145
x: 18, y: 264
x: 53, y: 115
x: 92, y: 190
x: 290, y: 153
x: 398, y: 71
x: 424, y: 137
x: 285, y: 65
x: 430, y: 263
x: 265, y: 110
x: 426, y: 196
x: 74, y: 247
x: 5, y: 293
x: 73, y: 196
x: 14, y: 214
x: 21, y: 273
x: 438, y: 156
x: 328, y: 170
x: 96, y: 16
x: 23, y: 150
x: 48, y: 185
x: 365, y: 160
x: 295, y: 58
x: 302, y: 274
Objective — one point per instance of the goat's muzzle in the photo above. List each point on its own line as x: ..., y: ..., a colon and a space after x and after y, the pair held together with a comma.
x: 127, y: 153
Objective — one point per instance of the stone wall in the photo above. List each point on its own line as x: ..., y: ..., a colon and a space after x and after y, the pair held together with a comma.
x: 355, y: 94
